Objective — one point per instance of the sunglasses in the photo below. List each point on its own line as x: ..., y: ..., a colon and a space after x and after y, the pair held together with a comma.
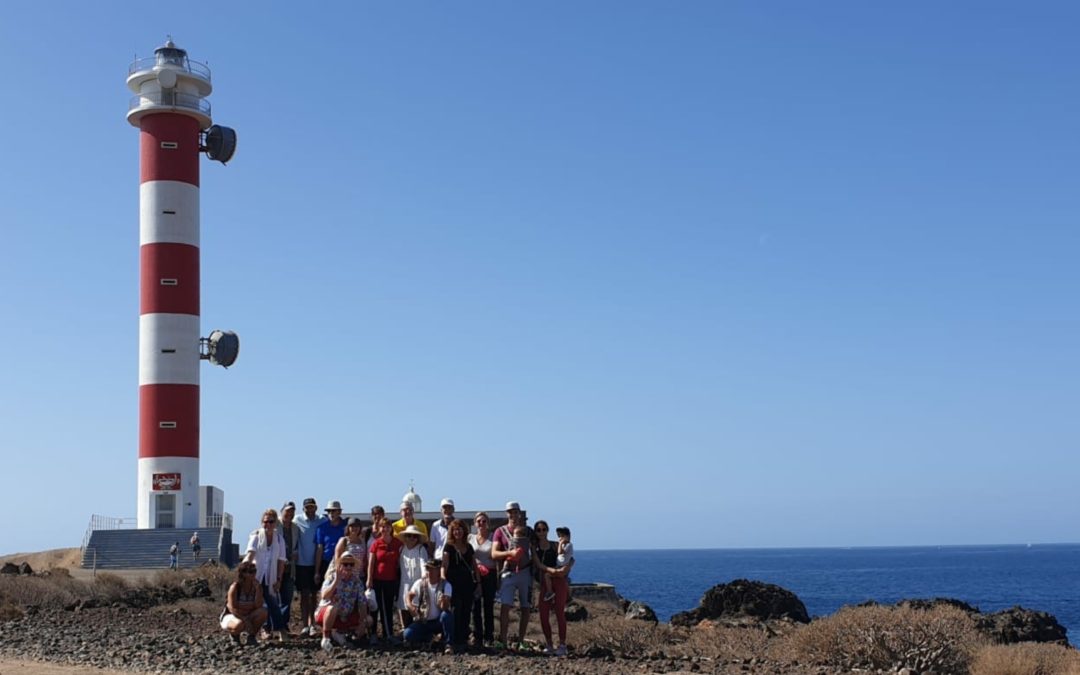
x: 269, y: 522
x: 540, y: 529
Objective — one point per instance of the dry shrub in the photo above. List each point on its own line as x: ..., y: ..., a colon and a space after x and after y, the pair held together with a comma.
x: 108, y: 587
x: 1027, y: 658
x: 9, y: 611
x: 51, y: 592
x: 941, y: 639
x: 620, y: 635
x: 219, y: 577
x: 722, y: 642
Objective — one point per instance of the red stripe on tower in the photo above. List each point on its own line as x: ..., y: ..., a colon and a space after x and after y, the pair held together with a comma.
x: 169, y: 148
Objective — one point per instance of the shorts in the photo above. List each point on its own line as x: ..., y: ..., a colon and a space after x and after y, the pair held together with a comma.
x: 341, y: 623
x: 226, y: 619
x: 519, y: 583
x: 305, y: 578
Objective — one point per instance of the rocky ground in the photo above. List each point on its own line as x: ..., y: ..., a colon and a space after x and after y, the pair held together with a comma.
x: 169, y: 624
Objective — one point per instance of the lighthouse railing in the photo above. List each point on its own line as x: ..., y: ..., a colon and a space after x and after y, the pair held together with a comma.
x: 106, y: 523
x: 150, y: 62
x: 170, y: 98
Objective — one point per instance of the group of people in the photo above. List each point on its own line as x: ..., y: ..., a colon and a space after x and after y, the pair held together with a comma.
x: 354, y: 580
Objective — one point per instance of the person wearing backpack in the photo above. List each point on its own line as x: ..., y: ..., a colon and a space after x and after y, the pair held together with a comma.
x: 174, y: 556
x: 429, y: 602
x: 512, y: 547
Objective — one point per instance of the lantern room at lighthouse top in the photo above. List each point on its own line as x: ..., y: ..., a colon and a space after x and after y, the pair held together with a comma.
x: 169, y: 81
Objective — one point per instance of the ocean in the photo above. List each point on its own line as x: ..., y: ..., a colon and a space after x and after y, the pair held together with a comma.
x: 1043, y: 577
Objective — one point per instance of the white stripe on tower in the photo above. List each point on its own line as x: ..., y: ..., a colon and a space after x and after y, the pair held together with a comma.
x: 169, y: 312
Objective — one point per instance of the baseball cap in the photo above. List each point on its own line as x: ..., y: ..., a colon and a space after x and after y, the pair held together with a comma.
x: 446, y: 502
x: 513, y: 506
x: 311, y: 501
x: 288, y: 505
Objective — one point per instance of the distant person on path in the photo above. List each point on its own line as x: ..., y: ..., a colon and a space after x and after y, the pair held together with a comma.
x: 326, y: 539
x: 196, y: 546
x: 513, y: 549
x: 428, y: 600
x: 174, y: 556
x: 341, y: 605
x: 440, y: 528
x: 307, y: 523
x: 383, y: 573
x: 459, y: 568
x: 413, y: 556
x: 244, y: 611
x: 290, y: 534
x: 554, y: 566
x: 484, y: 605
x: 266, y: 549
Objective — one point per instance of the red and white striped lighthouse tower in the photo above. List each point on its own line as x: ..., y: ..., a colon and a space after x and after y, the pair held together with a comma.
x: 173, y: 117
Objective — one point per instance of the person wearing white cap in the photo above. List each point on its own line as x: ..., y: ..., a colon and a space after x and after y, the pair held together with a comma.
x: 411, y: 566
x: 440, y: 527
x: 512, y: 547
x: 408, y: 517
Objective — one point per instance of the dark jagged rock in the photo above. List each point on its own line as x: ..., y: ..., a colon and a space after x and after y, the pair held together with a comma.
x: 24, y: 568
x: 9, y: 568
x: 196, y: 588
x: 1022, y: 625
x: 933, y: 603
x: 639, y: 611
x: 742, y: 599
x: 576, y: 612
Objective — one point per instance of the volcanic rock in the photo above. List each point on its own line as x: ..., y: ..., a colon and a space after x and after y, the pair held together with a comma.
x: 576, y: 612
x: 1023, y: 625
x: 742, y: 599
x: 639, y: 611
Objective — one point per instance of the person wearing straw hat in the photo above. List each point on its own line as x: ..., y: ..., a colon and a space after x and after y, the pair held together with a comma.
x: 413, y: 556
x: 342, y: 606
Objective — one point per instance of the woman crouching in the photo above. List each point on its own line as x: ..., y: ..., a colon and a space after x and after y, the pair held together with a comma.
x: 342, y: 607
x: 244, y: 608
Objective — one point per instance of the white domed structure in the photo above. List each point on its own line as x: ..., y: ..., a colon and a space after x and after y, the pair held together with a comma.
x: 413, y: 499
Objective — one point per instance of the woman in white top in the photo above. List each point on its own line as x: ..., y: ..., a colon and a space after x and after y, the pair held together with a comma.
x: 266, y: 549
x: 411, y: 563
x: 483, y: 610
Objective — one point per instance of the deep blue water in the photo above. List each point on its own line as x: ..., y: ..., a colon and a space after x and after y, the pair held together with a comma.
x: 1043, y: 577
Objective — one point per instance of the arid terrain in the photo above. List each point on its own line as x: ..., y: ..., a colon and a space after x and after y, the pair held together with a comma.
x: 62, y: 620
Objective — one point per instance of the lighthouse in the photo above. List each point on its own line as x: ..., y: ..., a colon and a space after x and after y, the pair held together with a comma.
x: 175, y: 127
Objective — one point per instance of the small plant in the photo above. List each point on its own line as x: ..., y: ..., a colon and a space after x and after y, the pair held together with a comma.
x: 1027, y: 658
x: 621, y: 636
x: 942, y: 639
x: 108, y: 587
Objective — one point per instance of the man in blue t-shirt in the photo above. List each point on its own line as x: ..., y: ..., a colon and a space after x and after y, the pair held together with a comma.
x: 326, y: 539
x: 306, y: 524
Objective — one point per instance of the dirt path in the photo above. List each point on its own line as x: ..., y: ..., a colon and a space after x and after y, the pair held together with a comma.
x: 11, y: 667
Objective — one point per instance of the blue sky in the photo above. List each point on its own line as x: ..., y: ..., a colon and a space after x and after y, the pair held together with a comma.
x: 688, y: 274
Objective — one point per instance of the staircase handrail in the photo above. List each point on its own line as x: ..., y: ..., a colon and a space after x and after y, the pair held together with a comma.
x: 106, y: 523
